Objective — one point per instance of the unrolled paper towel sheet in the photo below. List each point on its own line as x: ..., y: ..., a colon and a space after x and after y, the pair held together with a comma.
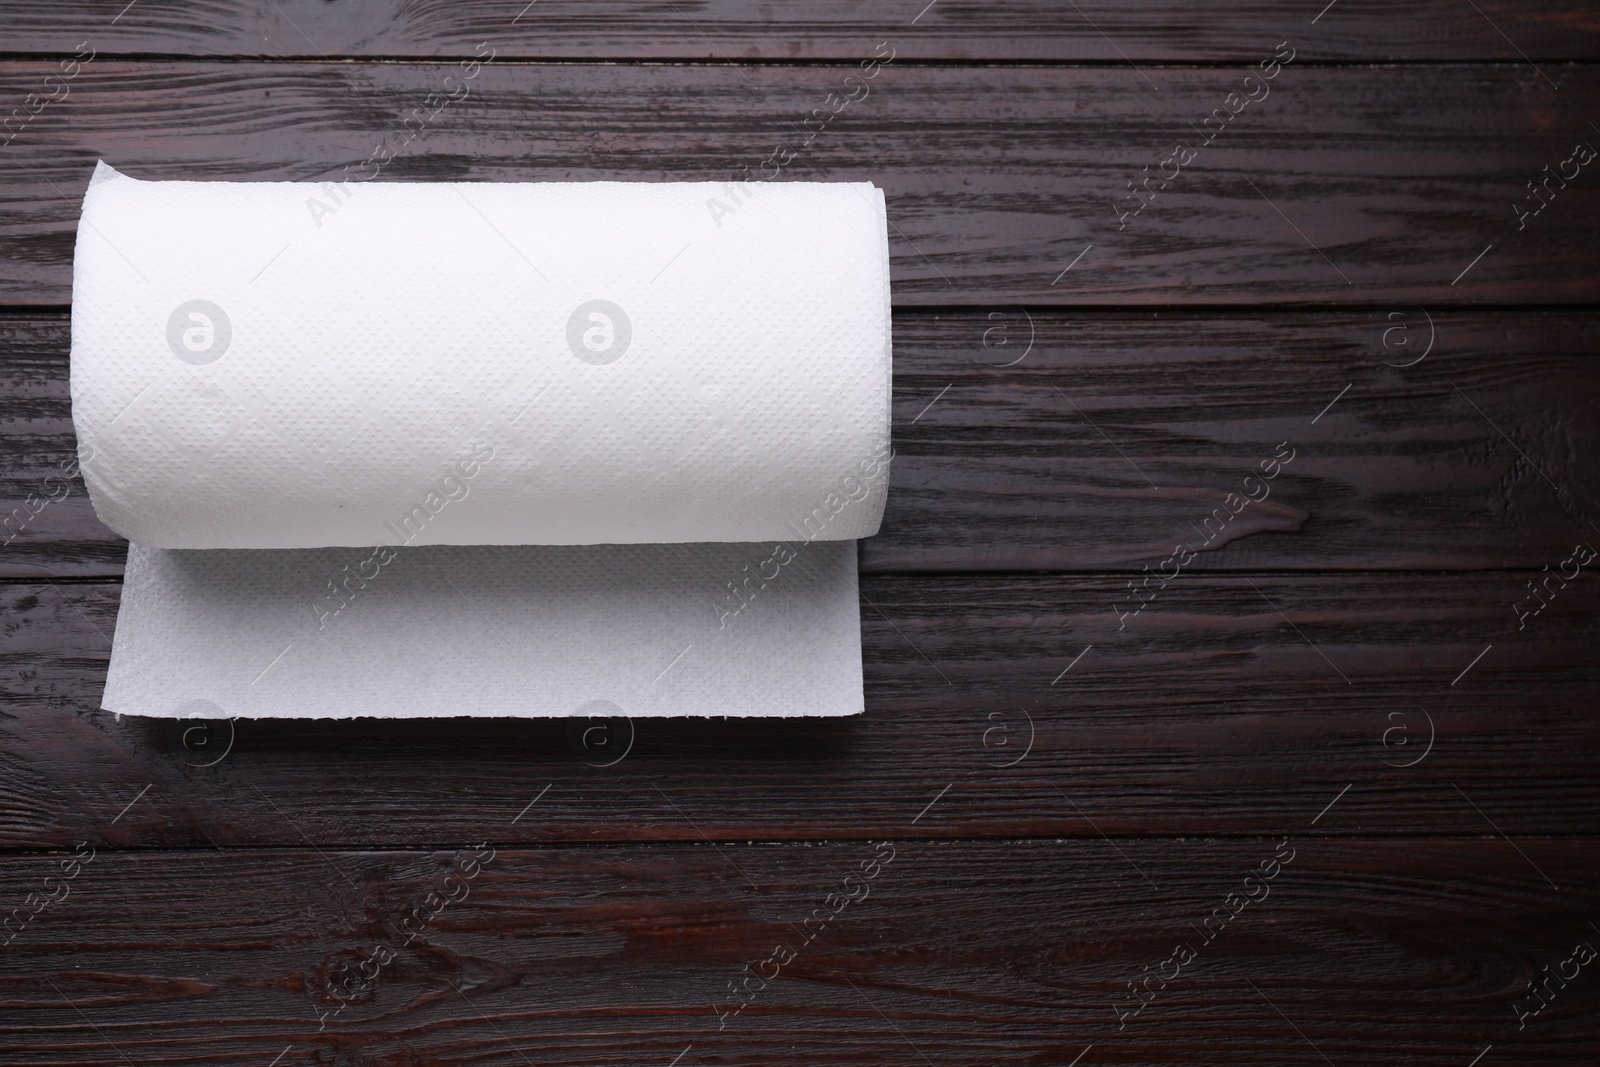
x: 303, y: 403
x: 636, y: 630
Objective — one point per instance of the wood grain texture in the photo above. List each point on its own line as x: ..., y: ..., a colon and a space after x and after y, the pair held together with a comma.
x: 1071, y: 791
x: 1367, y: 185
x: 1002, y: 952
x: 1226, y: 706
x: 1042, y: 465
x: 746, y: 31
x: 1116, y: 436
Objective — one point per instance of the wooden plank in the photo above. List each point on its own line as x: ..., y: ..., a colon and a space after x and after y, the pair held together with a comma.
x: 1367, y: 951
x: 47, y: 525
x: 1225, y: 703
x: 1005, y: 184
x: 1042, y: 465
x: 1116, y: 436
x: 746, y: 31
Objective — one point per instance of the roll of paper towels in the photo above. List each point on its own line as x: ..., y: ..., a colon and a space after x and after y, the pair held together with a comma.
x: 303, y: 403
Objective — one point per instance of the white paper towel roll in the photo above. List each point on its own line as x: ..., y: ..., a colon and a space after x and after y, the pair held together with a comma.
x: 284, y: 368
x: 280, y: 365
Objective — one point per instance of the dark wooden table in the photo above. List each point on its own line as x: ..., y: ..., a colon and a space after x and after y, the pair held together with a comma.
x: 1328, y: 796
